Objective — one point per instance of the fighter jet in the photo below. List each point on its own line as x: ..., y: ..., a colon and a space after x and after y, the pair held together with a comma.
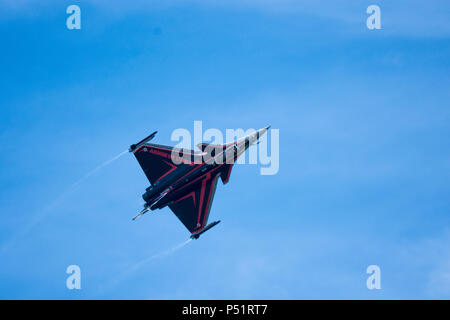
x: 186, y: 180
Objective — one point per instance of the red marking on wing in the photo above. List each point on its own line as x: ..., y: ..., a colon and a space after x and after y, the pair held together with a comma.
x: 170, y: 170
x: 202, y: 194
x: 195, y: 167
x: 207, y: 203
x: 191, y: 194
x: 198, y: 158
x: 145, y: 146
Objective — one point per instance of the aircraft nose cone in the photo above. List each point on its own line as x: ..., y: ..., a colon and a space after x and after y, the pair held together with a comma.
x: 245, y: 142
x: 260, y: 132
x: 252, y: 138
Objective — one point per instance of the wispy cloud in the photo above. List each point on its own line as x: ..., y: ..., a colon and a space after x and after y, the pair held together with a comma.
x: 439, y: 276
x: 431, y: 255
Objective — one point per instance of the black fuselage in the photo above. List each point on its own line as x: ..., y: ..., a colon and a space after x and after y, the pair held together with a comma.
x: 185, y: 180
x: 187, y: 177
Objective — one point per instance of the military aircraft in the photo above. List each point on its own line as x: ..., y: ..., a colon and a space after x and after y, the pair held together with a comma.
x: 186, y: 180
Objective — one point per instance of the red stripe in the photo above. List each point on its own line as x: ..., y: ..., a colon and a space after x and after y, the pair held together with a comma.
x: 186, y: 196
x: 187, y: 174
x: 184, y: 186
x: 151, y: 147
x: 170, y: 151
x: 195, y: 167
x: 202, y: 194
x: 172, y: 169
x: 207, y: 204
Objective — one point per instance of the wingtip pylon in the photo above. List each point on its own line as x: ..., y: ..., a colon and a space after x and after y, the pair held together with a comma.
x: 143, y: 141
x: 199, y: 233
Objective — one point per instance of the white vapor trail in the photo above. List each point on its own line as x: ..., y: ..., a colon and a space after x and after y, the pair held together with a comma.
x: 98, y: 168
x: 74, y: 185
x: 159, y: 255
x: 141, y: 263
x: 47, y: 209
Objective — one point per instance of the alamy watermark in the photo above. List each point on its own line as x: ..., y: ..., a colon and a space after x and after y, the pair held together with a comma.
x: 374, y: 280
x: 74, y: 20
x: 374, y: 20
x: 74, y: 280
x: 236, y: 146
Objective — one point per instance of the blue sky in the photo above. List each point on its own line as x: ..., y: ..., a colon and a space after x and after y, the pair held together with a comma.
x: 364, y: 150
